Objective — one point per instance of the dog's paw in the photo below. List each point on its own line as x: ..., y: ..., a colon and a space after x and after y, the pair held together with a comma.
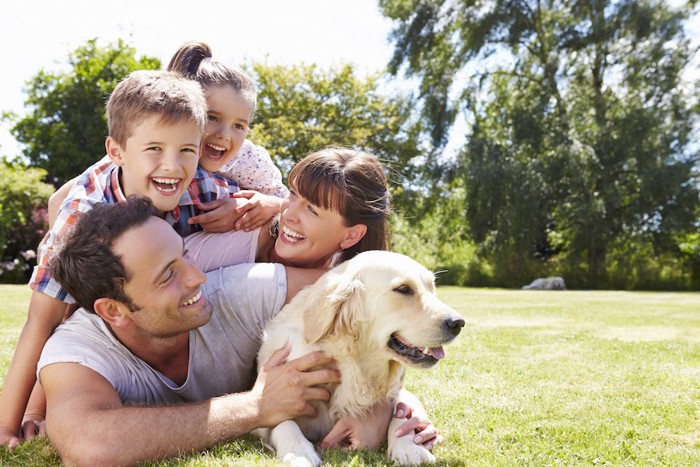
x: 302, y: 456
x: 404, y: 451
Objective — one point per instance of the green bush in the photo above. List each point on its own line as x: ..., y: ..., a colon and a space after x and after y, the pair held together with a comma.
x: 23, y: 219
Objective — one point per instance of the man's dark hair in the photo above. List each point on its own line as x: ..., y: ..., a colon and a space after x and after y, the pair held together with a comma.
x: 85, y: 264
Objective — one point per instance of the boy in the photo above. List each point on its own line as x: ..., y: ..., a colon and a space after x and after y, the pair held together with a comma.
x: 156, y: 121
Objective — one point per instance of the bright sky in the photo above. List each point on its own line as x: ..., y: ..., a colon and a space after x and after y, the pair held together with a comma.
x: 40, y: 34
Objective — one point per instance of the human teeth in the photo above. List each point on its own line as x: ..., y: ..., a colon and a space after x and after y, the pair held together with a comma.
x: 216, y: 147
x: 292, y: 234
x: 192, y: 300
x: 166, y: 180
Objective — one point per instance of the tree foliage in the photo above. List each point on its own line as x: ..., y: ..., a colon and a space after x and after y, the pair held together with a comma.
x: 23, y: 222
x: 580, y: 142
x: 65, y: 129
x: 302, y: 108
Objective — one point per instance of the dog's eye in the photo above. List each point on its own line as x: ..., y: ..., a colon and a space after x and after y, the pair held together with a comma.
x: 404, y: 290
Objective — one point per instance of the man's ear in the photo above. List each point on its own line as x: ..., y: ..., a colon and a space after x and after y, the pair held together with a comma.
x: 353, y: 235
x: 114, y: 151
x: 114, y: 312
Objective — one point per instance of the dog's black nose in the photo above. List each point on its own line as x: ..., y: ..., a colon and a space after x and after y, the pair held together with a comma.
x: 453, y: 326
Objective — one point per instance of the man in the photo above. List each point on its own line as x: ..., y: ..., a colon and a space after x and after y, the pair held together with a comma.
x: 138, y: 373
x: 151, y: 333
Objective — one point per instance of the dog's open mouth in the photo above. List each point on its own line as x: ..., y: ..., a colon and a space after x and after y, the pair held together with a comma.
x: 423, y: 356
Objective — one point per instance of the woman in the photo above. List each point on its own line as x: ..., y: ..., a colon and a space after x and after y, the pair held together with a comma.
x: 338, y: 206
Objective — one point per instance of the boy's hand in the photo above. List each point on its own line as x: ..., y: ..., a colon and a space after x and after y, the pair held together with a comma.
x: 255, y: 209
x: 9, y: 438
x: 221, y: 215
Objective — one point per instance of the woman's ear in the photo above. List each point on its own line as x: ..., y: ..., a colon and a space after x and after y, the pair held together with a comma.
x: 114, y: 312
x: 353, y: 235
x: 114, y: 151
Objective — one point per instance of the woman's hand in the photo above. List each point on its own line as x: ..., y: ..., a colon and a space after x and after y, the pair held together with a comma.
x: 424, y: 431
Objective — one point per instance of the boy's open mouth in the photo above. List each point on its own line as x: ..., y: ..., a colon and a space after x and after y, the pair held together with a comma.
x: 166, y: 185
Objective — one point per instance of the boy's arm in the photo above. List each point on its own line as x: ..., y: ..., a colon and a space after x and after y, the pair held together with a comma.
x: 45, y: 313
x: 56, y: 199
x: 84, y: 409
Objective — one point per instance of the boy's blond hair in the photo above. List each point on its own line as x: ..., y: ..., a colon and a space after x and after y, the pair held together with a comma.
x: 145, y: 93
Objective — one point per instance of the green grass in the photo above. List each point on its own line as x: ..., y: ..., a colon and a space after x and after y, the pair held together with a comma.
x: 535, y: 378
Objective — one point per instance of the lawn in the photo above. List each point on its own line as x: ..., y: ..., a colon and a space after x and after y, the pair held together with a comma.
x: 536, y: 378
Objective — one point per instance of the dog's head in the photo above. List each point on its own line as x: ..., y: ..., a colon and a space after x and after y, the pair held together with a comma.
x: 385, y: 301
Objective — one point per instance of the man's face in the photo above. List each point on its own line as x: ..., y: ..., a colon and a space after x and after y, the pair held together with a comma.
x: 163, y: 286
x: 158, y: 160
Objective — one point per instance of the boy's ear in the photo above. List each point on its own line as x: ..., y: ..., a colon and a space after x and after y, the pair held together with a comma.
x: 114, y: 151
x: 353, y: 236
x: 114, y: 312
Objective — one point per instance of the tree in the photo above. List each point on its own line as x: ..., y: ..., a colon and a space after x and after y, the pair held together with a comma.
x: 65, y: 129
x: 581, y: 128
x: 302, y: 108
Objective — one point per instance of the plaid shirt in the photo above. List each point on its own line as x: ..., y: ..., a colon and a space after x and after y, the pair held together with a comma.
x: 100, y: 184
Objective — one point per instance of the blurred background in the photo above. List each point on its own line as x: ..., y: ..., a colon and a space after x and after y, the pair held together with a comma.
x: 522, y: 139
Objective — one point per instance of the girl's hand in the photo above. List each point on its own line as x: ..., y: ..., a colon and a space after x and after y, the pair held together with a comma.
x: 256, y: 210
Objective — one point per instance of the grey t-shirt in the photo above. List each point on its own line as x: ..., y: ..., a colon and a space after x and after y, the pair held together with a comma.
x: 222, y: 352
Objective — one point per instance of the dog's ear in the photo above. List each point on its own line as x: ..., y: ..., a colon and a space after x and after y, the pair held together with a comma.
x: 337, y: 311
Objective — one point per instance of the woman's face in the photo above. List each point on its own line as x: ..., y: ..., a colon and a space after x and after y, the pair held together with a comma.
x: 309, y: 235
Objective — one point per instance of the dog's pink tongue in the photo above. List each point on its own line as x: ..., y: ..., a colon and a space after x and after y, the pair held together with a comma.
x: 437, y: 352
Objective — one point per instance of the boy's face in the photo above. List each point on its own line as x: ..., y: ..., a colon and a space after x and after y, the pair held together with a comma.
x: 227, y: 126
x: 158, y: 160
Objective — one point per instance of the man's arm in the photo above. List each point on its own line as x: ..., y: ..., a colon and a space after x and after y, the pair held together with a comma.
x: 88, y: 423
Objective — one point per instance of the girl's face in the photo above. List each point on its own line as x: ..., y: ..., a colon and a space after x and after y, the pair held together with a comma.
x: 309, y: 235
x: 227, y: 127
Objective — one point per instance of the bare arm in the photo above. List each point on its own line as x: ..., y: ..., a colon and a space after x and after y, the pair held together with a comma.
x: 56, y: 199
x: 45, y: 313
x: 84, y: 409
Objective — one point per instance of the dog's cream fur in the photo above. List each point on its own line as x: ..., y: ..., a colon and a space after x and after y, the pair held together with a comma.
x: 546, y: 283
x: 352, y: 314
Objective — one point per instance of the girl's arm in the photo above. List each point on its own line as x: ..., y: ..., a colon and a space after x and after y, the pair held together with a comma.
x: 45, y: 314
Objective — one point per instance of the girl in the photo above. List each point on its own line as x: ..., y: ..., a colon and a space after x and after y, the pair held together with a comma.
x: 231, y: 97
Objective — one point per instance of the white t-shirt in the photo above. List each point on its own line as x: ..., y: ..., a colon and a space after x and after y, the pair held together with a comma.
x: 222, y: 352
x: 214, y: 250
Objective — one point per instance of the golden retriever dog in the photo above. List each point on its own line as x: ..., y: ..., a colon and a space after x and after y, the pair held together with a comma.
x: 375, y: 315
x: 546, y: 283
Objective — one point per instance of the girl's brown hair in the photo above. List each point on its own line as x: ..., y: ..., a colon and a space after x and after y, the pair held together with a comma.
x: 194, y: 60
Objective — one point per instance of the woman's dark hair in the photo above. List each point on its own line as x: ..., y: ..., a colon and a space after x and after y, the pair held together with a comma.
x: 85, y: 264
x: 351, y: 183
